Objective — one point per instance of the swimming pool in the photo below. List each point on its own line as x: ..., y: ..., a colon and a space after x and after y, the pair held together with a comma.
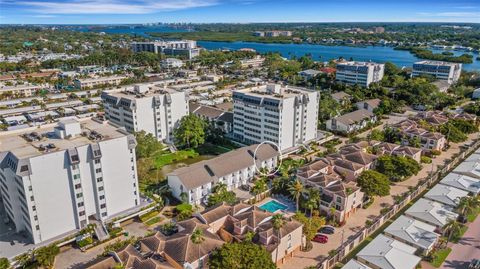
x: 273, y: 206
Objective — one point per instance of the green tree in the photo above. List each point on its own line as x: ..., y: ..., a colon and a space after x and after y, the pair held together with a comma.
x: 374, y: 183
x: 23, y: 260
x: 467, y: 205
x: 221, y: 194
x: 147, y: 144
x: 296, y: 189
x: 451, y: 228
x: 245, y: 255
x: 4, y: 263
x: 45, y: 256
x: 313, y: 200
x: 259, y: 186
x: 191, y: 131
x: 311, y: 225
x: 197, y: 239
x: 397, y: 168
x: 277, y: 224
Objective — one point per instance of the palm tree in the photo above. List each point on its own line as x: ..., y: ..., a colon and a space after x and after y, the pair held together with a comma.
x: 259, y: 186
x: 296, y: 190
x: 313, y: 199
x: 467, y: 205
x: 197, y: 239
x: 45, y: 256
x: 277, y: 223
x: 23, y: 259
x: 450, y: 228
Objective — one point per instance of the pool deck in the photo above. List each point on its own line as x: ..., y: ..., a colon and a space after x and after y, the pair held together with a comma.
x: 290, y: 211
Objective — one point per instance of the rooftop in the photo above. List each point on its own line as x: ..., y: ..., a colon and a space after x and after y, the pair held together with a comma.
x: 387, y: 253
x: 429, y: 62
x: 29, y: 142
x: 413, y: 231
x: 355, y: 116
x: 274, y: 91
x: 463, y: 182
x: 431, y: 212
x: 446, y: 194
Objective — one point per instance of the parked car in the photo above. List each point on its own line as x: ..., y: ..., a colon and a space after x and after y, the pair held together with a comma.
x: 474, y: 264
x: 320, y: 238
x: 327, y: 230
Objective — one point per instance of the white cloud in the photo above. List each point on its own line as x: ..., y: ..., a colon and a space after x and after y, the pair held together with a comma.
x: 113, y: 6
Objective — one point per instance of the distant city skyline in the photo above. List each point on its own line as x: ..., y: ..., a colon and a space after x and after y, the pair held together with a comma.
x: 235, y: 11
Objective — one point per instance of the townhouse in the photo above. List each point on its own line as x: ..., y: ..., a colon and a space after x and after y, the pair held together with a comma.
x: 219, y: 118
x: 409, y: 129
x: 351, y: 122
x: 233, y: 223
x: 22, y: 90
x: 414, y: 233
x: 446, y: 195
x: 431, y: 212
x: 234, y: 169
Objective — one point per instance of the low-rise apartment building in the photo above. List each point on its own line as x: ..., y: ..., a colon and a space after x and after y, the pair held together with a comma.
x: 234, y: 169
x: 171, y: 63
x: 360, y: 73
x: 351, y: 122
x: 22, y: 90
x: 440, y: 70
x: 284, y: 115
x: 84, y: 83
x: 186, y: 48
x: 147, y: 107
x: 56, y: 178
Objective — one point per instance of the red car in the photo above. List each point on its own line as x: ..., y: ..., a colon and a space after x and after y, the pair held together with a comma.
x: 320, y: 238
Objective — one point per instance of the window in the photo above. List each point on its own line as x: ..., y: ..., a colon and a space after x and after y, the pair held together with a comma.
x: 35, y: 217
x: 99, y: 179
x: 80, y: 204
x: 100, y: 188
x: 97, y: 161
x: 76, y: 176
x: 31, y: 198
x: 101, y: 197
x: 30, y: 188
x: 98, y: 170
x: 34, y: 208
x: 104, y: 214
x: 78, y: 186
x: 37, y: 227
x: 103, y: 205
x: 79, y: 195
x: 81, y: 213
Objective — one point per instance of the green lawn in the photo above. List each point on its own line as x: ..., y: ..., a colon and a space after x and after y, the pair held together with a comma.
x: 165, y: 157
x: 153, y: 221
x: 439, y: 256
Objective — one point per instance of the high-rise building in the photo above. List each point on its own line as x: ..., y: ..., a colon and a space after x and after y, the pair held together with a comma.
x: 56, y: 179
x: 147, y: 107
x: 440, y: 70
x: 360, y: 73
x: 286, y: 116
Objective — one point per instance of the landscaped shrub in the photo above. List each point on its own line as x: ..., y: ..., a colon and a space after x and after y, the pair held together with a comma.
x: 425, y: 159
x: 148, y: 215
x: 85, y: 242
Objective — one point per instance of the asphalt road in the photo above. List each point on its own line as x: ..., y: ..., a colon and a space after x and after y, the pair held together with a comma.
x: 466, y: 249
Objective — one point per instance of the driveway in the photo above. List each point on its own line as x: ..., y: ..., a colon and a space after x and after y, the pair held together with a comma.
x: 466, y: 249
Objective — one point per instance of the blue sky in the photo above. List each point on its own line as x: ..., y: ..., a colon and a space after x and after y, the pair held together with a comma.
x: 241, y: 11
